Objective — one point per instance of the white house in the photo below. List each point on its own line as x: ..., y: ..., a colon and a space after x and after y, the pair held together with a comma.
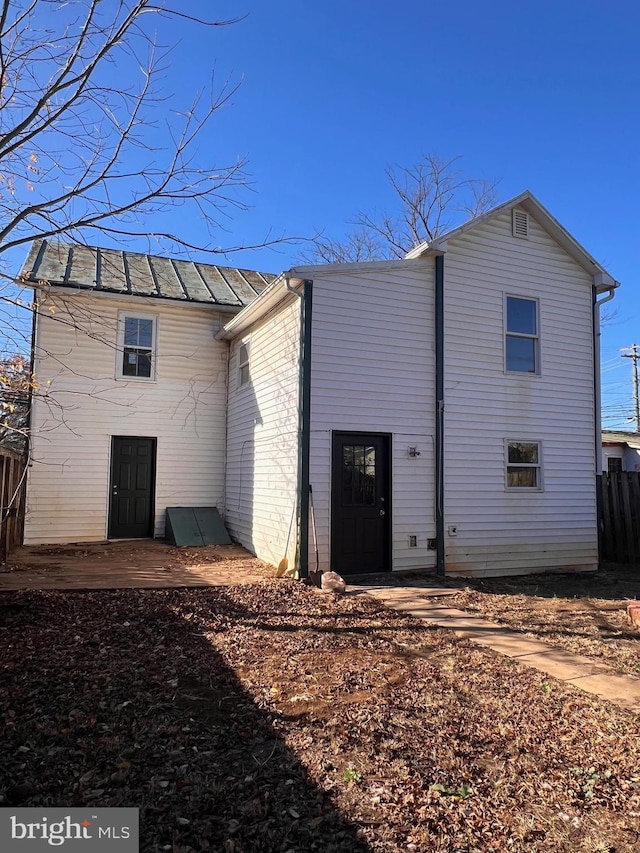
x: 439, y: 411
x: 130, y: 411
x: 620, y: 451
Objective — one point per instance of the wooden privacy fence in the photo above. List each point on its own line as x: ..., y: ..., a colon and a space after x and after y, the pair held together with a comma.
x: 12, y: 500
x: 620, y: 517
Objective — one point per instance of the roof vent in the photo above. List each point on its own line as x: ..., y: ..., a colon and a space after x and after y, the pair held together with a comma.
x: 520, y: 223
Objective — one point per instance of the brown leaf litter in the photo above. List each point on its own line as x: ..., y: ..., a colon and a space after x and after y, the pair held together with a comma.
x: 269, y: 717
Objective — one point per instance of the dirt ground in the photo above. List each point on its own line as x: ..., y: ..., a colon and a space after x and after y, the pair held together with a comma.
x: 135, y: 564
x: 583, y: 613
x: 269, y: 717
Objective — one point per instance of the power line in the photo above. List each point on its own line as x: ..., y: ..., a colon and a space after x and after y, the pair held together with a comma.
x: 635, y: 356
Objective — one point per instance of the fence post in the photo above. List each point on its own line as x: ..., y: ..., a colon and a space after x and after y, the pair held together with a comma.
x: 619, y: 522
x: 12, y: 500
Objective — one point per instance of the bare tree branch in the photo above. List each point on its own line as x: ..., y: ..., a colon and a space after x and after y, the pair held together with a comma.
x: 431, y: 197
x: 80, y: 154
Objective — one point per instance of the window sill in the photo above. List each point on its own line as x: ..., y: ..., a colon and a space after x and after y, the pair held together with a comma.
x: 121, y: 378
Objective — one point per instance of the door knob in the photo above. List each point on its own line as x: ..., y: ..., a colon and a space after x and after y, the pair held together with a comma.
x: 382, y: 512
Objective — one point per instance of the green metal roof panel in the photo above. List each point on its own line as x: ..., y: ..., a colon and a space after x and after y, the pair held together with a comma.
x: 135, y: 274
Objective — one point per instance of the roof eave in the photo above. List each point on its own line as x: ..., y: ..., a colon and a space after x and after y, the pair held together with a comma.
x: 530, y: 203
x: 269, y: 299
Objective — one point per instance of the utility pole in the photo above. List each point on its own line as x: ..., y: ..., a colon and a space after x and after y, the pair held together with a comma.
x: 635, y: 355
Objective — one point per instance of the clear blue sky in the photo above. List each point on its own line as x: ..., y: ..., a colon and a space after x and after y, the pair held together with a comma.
x: 542, y: 95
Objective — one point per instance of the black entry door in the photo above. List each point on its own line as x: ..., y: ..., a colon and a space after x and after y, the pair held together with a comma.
x: 360, y: 503
x: 133, y: 466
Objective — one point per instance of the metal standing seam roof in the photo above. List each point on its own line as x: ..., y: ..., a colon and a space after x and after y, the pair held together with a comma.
x: 134, y: 274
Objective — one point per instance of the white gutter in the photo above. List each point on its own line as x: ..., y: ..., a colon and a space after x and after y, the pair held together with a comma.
x: 269, y: 299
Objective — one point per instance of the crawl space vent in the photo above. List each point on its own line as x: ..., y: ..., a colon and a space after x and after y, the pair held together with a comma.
x: 520, y: 223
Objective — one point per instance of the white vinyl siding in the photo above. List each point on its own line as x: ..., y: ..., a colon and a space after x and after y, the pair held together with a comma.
x: 499, y: 530
x: 81, y: 405
x: 373, y: 370
x: 262, y: 437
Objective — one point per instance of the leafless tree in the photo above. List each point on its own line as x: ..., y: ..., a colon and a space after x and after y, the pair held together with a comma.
x: 79, y: 153
x: 431, y: 197
x: 93, y: 144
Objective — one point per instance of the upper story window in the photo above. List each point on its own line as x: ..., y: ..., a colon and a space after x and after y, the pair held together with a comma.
x: 522, y: 339
x: 137, y: 346
x: 244, y: 374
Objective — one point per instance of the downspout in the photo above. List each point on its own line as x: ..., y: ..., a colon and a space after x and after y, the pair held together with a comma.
x: 304, y: 426
x: 611, y: 291
x: 32, y: 370
x: 439, y: 442
x: 597, y: 415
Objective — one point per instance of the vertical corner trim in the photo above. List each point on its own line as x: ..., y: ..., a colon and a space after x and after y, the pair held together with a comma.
x: 304, y: 439
x: 439, y: 414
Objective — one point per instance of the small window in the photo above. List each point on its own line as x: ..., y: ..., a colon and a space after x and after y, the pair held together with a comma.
x: 521, y: 344
x: 244, y: 374
x: 614, y: 465
x: 523, y: 465
x: 136, y: 347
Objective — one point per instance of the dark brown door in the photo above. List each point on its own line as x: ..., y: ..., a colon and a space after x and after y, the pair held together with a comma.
x: 133, y: 468
x: 360, y: 503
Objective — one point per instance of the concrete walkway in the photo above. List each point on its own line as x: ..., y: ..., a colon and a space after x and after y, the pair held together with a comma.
x: 427, y: 603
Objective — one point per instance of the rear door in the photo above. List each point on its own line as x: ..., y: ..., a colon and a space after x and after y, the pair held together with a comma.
x: 133, y: 468
x: 360, y: 503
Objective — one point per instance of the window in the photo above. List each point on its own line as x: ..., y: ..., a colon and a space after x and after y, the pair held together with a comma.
x: 136, y: 346
x: 521, y: 345
x: 523, y: 465
x: 243, y: 365
x: 358, y: 475
x: 614, y: 465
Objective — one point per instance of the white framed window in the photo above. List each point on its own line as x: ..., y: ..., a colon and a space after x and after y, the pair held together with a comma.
x: 523, y: 464
x: 137, y: 343
x: 244, y: 372
x: 522, y: 339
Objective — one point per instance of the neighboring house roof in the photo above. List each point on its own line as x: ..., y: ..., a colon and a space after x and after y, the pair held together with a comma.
x: 631, y: 439
x: 528, y: 202
x: 133, y: 274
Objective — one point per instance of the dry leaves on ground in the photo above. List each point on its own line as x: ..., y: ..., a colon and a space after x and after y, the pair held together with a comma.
x: 583, y: 613
x: 273, y: 718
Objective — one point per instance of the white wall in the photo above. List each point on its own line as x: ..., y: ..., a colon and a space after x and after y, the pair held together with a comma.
x: 372, y: 370
x: 80, y: 406
x: 501, y: 532
x: 613, y: 453
x: 631, y: 460
x: 630, y: 457
x: 262, y: 437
